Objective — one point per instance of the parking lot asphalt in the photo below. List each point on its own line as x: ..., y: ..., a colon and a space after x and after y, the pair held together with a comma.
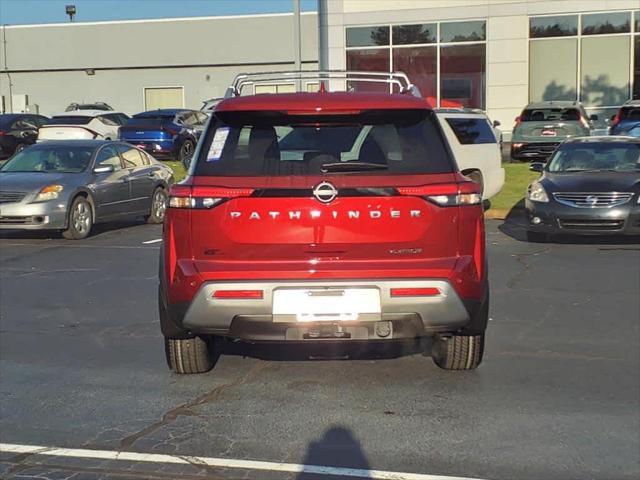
x: 82, y: 367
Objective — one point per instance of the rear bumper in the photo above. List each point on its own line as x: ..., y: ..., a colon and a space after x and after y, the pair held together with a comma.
x: 252, y: 320
x: 533, y: 151
x: 156, y: 148
x: 556, y: 218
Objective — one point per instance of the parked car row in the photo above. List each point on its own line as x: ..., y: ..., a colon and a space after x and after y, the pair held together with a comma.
x: 543, y: 126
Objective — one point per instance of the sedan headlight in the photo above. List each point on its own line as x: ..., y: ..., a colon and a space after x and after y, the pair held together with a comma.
x: 50, y: 192
x: 536, y: 193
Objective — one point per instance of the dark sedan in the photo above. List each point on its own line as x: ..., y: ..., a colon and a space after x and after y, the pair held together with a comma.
x: 591, y: 185
x: 166, y: 133
x: 69, y: 185
x: 17, y: 131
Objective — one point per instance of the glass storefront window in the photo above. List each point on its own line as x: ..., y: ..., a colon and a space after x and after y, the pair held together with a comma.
x: 555, y: 26
x: 369, y: 60
x: 636, y: 15
x: 636, y: 73
x: 463, y: 31
x: 605, y: 71
x: 552, y: 69
x: 411, y: 34
x: 462, y: 76
x: 599, y: 23
x: 421, y: 65
x: 367, y: 36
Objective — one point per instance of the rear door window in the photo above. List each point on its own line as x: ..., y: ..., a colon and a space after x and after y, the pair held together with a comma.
x: 131, y: 156
x: 630, y: 113
x: 470, y: 131
x: 108, y: 156
x: 371, y: 142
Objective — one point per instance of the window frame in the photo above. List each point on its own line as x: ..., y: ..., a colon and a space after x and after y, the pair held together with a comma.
x: 101, y: 149
x: 437, y: 45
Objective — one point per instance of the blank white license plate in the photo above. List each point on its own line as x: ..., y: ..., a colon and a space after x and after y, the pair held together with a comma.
x: 326, y: 304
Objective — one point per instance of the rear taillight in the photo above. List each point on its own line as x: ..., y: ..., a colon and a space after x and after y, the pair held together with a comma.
x: 238, y: 294
x: 415, y: 292
x: 518, y: 120
x: 446, y: 195
x: 182, y: 196
x: 2, y: 134
x: 616, y: 119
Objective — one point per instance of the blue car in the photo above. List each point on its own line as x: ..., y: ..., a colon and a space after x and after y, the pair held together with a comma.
x: 627, y: 120
x: 166, y: 133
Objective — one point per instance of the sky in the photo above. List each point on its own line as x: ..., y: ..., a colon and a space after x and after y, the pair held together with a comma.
x: 15, y: 12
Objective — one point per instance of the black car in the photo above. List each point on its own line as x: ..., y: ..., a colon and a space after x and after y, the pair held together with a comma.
x: 18, y: 130
x: 591, y: 185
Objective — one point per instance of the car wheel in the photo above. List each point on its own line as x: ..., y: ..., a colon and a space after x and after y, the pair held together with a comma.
x: 458, y: 352
x: 158, y: 206
x: 190, y: 355
x: 537, y: 237
x: 186, y: 152
x: 80, y: 220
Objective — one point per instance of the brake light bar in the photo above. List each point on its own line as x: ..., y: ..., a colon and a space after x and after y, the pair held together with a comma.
x: 238, y: 294
x: 183, y: 196
x: 415, y: 292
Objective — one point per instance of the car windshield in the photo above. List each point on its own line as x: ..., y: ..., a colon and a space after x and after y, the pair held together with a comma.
x: 550, y: 115
x: 70, y: 120
x: 580, y: 157
x: 50, y: 159
x: 375, y: 142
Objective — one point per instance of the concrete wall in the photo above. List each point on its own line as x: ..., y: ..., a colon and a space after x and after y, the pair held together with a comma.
x: 49, y: 62
x: 507, y: 35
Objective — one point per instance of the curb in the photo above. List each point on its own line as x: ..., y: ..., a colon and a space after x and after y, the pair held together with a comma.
x: 501, y: 213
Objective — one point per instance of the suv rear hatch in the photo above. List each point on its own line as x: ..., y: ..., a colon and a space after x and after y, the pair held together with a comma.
x: 71, y: 127
x: 360, y: 194
x: 147, y: 128
x: 549, y: 125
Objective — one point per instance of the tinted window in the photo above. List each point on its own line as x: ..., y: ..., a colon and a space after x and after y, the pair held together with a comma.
x: 410, y: 34
x: 70, y: 120
x: 373, y: 142
x: 150, y: 120
x: 462, y: 31
x: 41, y: 121
x: 50, y: 158
x: 630, y: 113
x: 575, y: 157
x: 472, y: 130
x: 367, y: 36
x: 24, y: 123
x: 131, y: 156
x: 202, y: 118
x: 550, y: 114
x: 188, y: 118
x: 619, y: 22
x: 108, y: 120
x: 556, y: 26
x: 108, y: 156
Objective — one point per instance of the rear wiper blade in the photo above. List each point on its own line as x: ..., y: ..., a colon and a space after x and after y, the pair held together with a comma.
x: 351, y: 167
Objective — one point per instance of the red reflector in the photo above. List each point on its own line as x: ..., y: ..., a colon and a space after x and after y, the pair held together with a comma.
x: 435, y: 189
x: 238, y: 294
x: 221, y: 192
x: 415, y: 292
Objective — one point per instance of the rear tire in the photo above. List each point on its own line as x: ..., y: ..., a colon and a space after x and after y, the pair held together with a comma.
x: 158, y: 206
x: 186, y: 356
x: 80, y: 219
x: 458, y: 352
x: 186, y: 153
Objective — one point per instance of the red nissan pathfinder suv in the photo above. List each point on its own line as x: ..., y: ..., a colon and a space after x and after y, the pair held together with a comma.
x: 324, y: 217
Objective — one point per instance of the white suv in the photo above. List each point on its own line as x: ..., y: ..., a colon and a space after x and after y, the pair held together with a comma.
x: 82, y: 125
x: 475, y: 147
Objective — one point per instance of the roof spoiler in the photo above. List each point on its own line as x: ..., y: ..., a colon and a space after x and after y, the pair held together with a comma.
x: 323, y: 78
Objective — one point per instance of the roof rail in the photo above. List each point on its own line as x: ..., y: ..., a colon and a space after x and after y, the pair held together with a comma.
x: 321, y: 76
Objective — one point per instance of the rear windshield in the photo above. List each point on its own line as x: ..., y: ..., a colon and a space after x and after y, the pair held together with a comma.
x: 372, y: 142
x: 149, y: 119
x: 580, y: 157
x: 70, y: 120
x: 630, y: 113
x: 472, y: 131
x: 550, y: 114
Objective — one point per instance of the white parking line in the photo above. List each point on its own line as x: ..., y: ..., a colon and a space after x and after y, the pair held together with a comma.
x: 219, y: 462
x: 152, y: 241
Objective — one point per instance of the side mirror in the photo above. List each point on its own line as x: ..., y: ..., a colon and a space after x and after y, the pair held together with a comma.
x: 593, y: 117
x: 496, y: 123
x: 536, y: 167
x: 104, y: 169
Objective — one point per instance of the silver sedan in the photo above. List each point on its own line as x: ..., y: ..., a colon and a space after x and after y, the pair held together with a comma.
x: 71, y: 185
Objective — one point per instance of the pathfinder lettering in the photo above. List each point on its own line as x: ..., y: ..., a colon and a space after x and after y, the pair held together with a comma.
x: 315, y: 214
